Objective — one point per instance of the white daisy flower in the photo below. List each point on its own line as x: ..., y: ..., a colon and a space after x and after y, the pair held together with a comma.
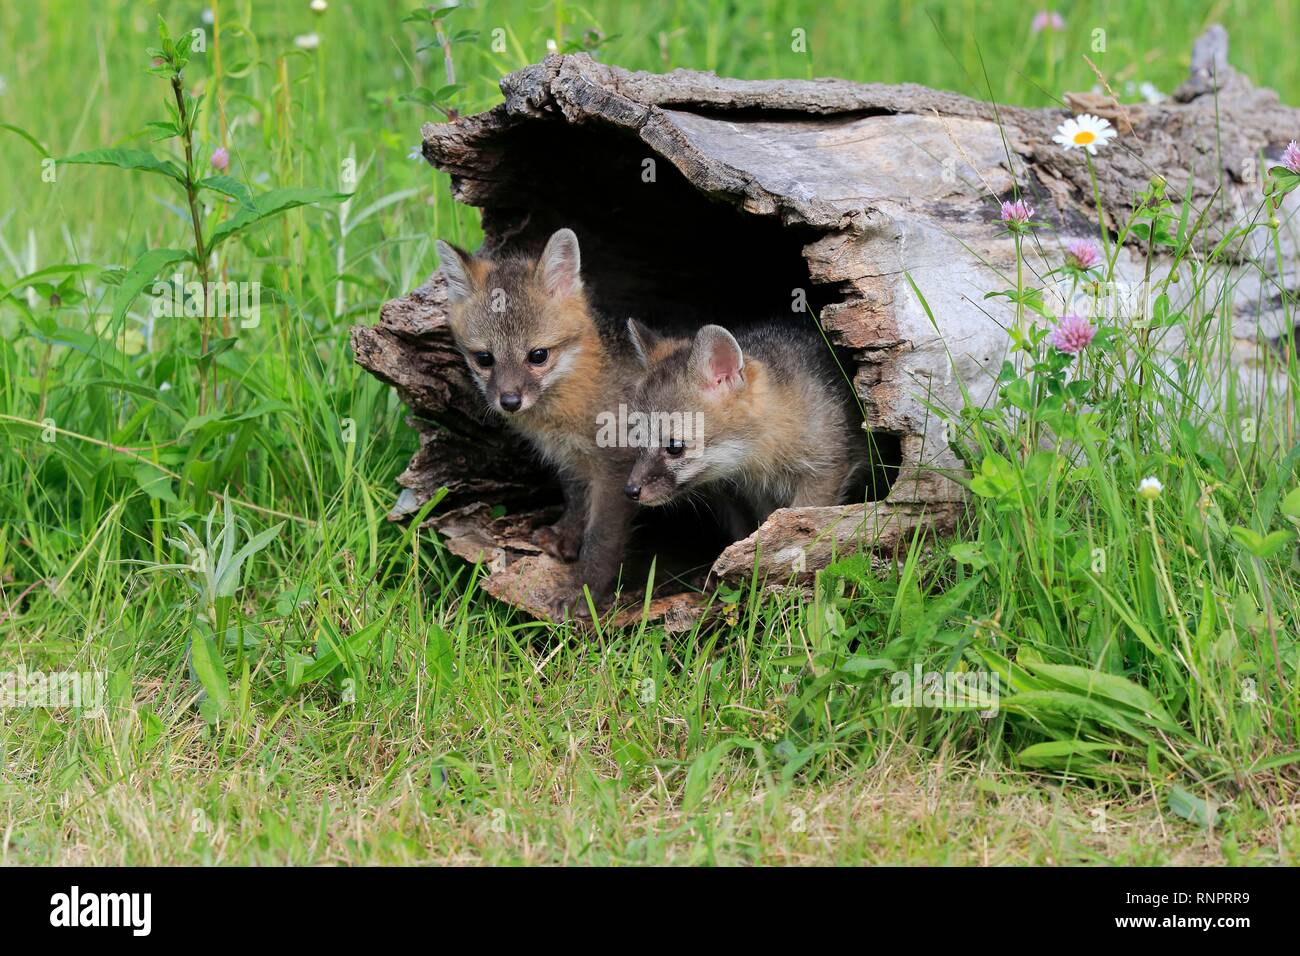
x: 1084, y: 132
x: 1150, y: 488
x: 307, y: 41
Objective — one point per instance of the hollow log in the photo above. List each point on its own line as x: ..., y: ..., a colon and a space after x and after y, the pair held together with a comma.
x: 869, y: 208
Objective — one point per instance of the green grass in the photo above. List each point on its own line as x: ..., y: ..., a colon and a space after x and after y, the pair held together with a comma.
x: 454, y: 729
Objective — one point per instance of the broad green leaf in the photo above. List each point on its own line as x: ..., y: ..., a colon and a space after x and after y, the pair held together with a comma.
x: 969, y: 552
x: 71, y: 338
x: 154, y: 483
x: 228, y: 578
x: 1261, y: 545
x: 1291, y: 504
x: 295, y: 665
x: 1109, y: 686
x: 162, y: 130
x: 859, y: 666
x: 1284, y: 181
x: 143, y: 272
x: 140, y: 159
x: 151, y: 728
x: 995, y: 479
x: 1057, y: 754
x: 1191, y: 807
x: 226, y: 423
x: 1051, y: 706
x: 229, y: 186
x: 211, y: 673
x: 421, y: 94
x: 68, y: 269
x: 1012, y: 674
x: 269, y: 204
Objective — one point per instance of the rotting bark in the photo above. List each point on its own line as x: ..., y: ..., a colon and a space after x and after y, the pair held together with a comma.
x: 761, y: 191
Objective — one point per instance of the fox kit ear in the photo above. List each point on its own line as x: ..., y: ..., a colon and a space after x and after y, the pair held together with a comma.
x: 716, y: 362
x: 455, y: 266
x: 644, y: 342
x: 561, y: 264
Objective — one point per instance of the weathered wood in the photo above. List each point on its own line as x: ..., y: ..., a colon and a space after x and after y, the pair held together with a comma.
x: 701, y: 198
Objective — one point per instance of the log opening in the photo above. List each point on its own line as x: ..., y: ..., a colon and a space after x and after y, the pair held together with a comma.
x: 656, y: 248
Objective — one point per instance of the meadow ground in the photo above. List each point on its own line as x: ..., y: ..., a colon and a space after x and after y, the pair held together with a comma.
x: 365, y: 702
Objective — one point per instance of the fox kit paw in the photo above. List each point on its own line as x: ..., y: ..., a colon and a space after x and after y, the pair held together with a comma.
x: 574, y: 607
x: 565, y: 608
x: 560, y: 542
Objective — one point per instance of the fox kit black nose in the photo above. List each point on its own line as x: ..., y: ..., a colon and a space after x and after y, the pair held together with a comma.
x: 632, y: 491
x: 510, y: 401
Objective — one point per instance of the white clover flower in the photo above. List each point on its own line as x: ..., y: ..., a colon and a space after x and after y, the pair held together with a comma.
x: 319, y: 6
x: 1150, y: 488
x: 1084, y: 132
x: 307, y: 41
x: 552, y: 46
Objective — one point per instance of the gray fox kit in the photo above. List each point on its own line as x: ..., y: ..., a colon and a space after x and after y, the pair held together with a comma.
x: 550, y: 366
x: 765, y: 411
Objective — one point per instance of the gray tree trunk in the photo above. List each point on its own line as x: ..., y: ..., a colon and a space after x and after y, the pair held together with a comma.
x: 701, y: 198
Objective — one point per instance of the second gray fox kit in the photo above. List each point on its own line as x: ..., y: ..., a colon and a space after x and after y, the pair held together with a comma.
x: 776, y: 419
x: 547, y: 363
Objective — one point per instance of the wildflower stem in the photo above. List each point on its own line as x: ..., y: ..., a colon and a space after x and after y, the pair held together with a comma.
x: 1020, y: 288
x: 222, y: 126
x: 448, y: 61
x: 1021, y: 337
x: 1144, y: 333
x: 1290, y: 336
x: 200, y: 252
x: 1101, y: 215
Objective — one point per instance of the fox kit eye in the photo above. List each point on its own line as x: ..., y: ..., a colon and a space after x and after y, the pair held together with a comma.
x: 538, y: 356
x: 483, y: 359
x: 675, y: 448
